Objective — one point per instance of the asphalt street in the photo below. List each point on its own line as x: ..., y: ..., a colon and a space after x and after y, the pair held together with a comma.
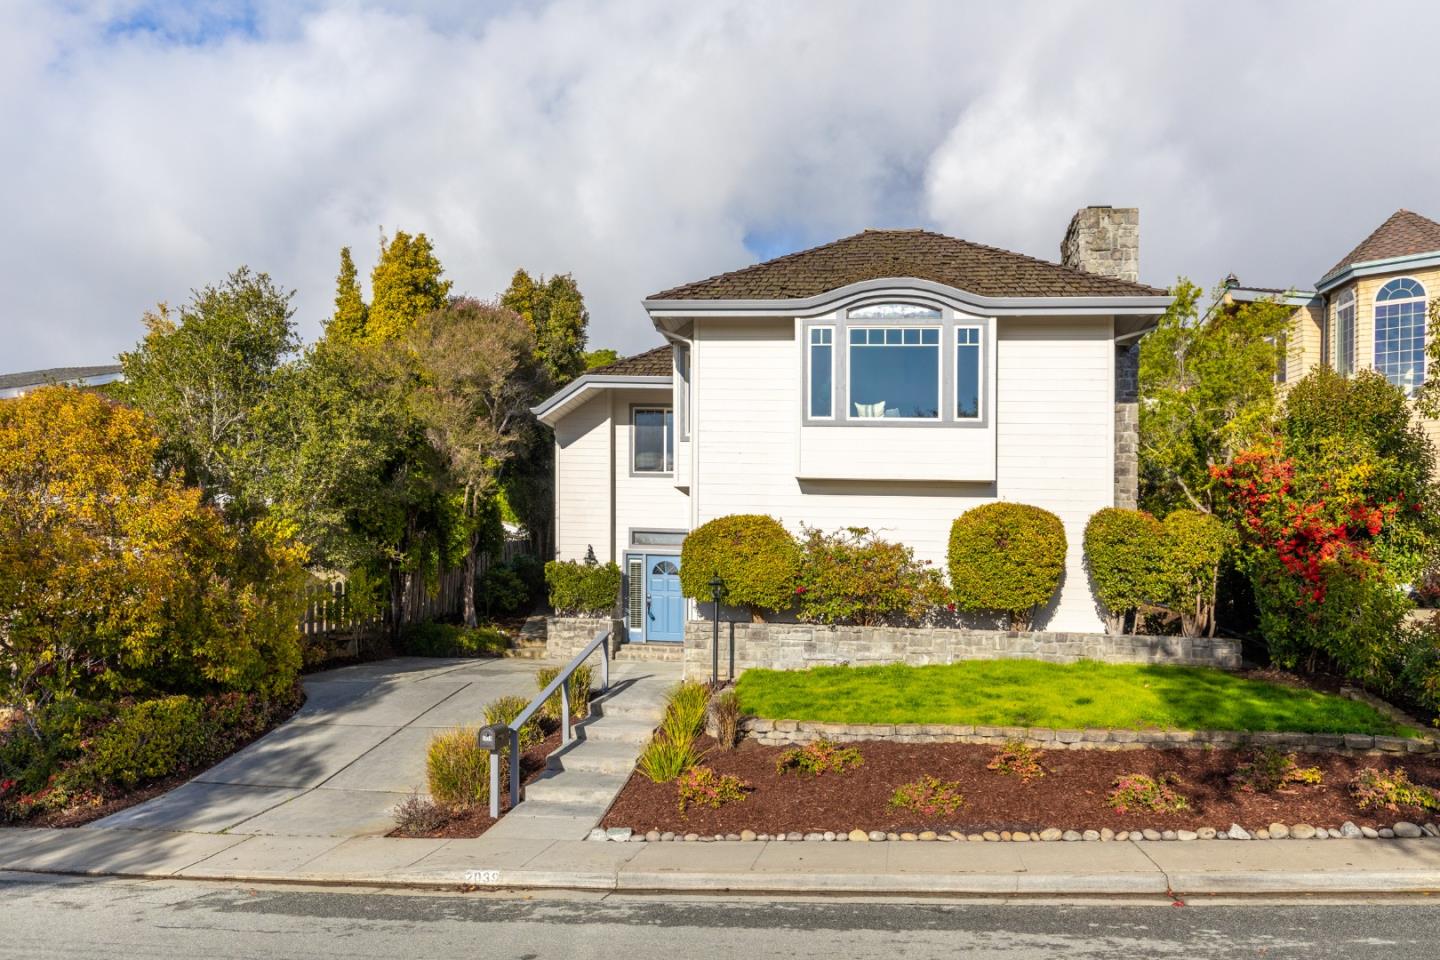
x: 51, y: 916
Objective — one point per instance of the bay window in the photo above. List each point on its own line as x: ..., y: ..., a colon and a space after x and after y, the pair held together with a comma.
x: 822, y: 373
x: 968, y: 364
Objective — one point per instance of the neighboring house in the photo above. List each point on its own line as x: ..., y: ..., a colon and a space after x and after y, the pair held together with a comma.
x: 892, y: 379
x: 19, y: 384
x: 1369, y: 311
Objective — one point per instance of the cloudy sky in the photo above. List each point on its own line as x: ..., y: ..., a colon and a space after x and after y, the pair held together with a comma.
x: 151, y: 147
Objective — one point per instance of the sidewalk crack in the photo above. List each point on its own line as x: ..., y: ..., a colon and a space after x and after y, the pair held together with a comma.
x: 1169, y: 890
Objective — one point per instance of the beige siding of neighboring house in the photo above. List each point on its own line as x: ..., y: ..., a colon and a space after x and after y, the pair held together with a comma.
x: 642, y: 501
x: 1054, y: 428
x: 584, y: 479
x: 1303, y: 342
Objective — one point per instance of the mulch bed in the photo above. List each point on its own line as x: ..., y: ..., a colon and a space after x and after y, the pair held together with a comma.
x: 1072, y: 794
x: 464, y: 825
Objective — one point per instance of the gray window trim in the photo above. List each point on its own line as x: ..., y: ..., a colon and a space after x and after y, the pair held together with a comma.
x: 641, y: 547
x: 840, y: 380
x: 634, y: 408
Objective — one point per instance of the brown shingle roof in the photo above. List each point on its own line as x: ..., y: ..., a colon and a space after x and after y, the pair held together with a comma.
x: 651, y: 363
x: 876, y: 254
x: 1405, y: 233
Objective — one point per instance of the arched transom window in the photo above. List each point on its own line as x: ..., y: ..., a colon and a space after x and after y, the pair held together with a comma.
x: 1400, y: 333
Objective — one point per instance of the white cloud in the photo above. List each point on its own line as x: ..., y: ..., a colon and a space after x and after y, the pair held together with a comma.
x: 637, y: 144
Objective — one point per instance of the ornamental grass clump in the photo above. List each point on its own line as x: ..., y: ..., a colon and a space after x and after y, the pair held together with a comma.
x: 578, y: 687
x: 725, y: 713
x: 1269, y: 771
x: 1391, y: 790
x: 701, y: 786
x: 1006, y: 558
x: 1139, y: 791
x: 505, y: 709
x: 821, y: 756
x: 664, y: 759
x: 672, y: 751
x: 457, y: 769
x: 929, y: 797
x: 1018, y: 759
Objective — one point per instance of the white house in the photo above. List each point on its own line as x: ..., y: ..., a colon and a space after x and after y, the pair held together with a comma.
x: 892, y: 379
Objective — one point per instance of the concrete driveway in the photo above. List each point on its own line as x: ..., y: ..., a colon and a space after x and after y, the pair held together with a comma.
x: 344, y: 760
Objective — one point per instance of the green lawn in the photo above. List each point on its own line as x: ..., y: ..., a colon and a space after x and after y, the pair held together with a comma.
x: 1064, y: 696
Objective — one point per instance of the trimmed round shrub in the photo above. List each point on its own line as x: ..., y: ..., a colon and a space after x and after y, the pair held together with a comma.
x: 1006, y: 557
x: 1193, y: 547
x: 756, y: 558
x: 1122, y: 551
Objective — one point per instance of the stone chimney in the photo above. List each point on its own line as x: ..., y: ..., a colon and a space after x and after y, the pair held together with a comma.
x: 1105, y: 241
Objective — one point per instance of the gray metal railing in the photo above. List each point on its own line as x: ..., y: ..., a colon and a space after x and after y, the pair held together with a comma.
x: 493, y: 735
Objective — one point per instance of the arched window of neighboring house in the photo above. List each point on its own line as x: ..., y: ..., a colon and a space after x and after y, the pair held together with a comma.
x: 1400, y: 333
x: 1342, y: 343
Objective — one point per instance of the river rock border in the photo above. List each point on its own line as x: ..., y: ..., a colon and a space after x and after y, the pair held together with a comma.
x: 1402, y: 830
x: 775, y: 733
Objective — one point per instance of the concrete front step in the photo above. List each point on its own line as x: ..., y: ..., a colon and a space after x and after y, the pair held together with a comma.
x: 632, y: 730
x: 575, y: 786
x: 630, y: 706
x: 595, y: 756
x: 526, y: 652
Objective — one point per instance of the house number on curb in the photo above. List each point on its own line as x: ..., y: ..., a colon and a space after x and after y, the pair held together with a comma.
x: 482, y: 877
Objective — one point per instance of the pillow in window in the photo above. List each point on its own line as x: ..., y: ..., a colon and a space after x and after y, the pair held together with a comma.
x: 876, y: 409
x: 892, y: 411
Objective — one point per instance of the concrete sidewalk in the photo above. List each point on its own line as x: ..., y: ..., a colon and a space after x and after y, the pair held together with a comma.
x: 1141, y: 869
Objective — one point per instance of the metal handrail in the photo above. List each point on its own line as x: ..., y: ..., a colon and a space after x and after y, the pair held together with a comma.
x: 560, y: 684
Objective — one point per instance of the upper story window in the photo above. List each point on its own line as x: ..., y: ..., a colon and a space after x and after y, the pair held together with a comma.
x: 1342, y: 349
x: 896, y: 362
x: 652, y: 445
x: 1400, y: 333
x: 894, y: 373
x: 682, y: 393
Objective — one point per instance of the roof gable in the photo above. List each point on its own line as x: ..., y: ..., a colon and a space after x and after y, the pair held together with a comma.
x: 1404, y: 234
x: 920, y: 254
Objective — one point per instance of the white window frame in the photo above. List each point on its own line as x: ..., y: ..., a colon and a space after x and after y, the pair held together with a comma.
x: 939, y: 346
x: 1346, y: 301
x: 810, y: 346
x: 979, y: 346
x: 667, y: 441
x: 1377, y: 303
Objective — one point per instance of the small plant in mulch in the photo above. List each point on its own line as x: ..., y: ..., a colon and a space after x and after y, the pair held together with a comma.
x: 664, y: 759
x: 418, y: 816
x: 704, y: 787
x: 821, y: 756
x: 1270, y: 771
x: 1017, y: 758
x: 1139, y: 791
x: 725, y: 714
x: 928, y: 796
x: 1391, y: 789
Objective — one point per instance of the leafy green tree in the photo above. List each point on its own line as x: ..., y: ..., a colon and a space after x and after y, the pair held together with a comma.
x: 405, y: 285
x: 351, y: 312
x: 477, y: 381
x: 201, y: 373
x: 555, y: 311
x: 1207, y: 391
x: 600, y: 358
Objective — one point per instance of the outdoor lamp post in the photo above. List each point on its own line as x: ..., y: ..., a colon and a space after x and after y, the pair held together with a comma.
x: 717, y: 589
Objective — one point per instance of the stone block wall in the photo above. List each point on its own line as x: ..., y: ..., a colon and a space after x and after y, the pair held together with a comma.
x: 567, y: 636
x: 796, y: 646
x: 1127, y: 426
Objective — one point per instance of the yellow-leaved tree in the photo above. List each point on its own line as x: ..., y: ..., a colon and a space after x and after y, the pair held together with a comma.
x: 116, y: 579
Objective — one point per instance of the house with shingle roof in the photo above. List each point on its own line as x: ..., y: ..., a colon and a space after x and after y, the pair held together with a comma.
x: 1368, y: 311
x: 892, y: 379
x: 19, y: 384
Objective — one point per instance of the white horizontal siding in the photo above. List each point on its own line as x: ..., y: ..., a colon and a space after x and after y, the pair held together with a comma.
x: 650, y: 502
x: 583, y: 480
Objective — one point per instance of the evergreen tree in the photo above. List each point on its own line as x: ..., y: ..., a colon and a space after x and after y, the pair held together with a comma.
x: 351, y: 313
x: 405, y: 285
x: 555, y: 311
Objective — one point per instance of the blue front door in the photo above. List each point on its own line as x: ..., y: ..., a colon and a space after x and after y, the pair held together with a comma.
x: 664, y: 605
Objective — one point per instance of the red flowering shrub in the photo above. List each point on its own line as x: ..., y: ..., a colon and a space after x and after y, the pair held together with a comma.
x: 928, y: 796
x: 703, y: 786
x: 852, y: 576
x: 1139, y: 791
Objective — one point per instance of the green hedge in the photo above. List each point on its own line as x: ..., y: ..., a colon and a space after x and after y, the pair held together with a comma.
x: 583, y: 590
x: 453, y: 640
x: 1006, y: 557
x: 1193, y: 547
x: 1123, y: 551
x: 755, y: 557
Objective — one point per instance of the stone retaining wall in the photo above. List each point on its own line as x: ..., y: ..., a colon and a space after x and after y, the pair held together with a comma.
x: 795, y: 646
x: 786, y: 732
x: 567, y: 636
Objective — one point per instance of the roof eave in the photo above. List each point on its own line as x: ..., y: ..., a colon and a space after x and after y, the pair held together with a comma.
x: 1369, y: 268
x: 1108, y: 305
x: 574, y: 393
x: 1292, y: 298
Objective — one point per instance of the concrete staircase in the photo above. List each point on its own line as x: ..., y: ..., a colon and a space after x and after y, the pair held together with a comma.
x: 582, y: 780
x: 530, y: 645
